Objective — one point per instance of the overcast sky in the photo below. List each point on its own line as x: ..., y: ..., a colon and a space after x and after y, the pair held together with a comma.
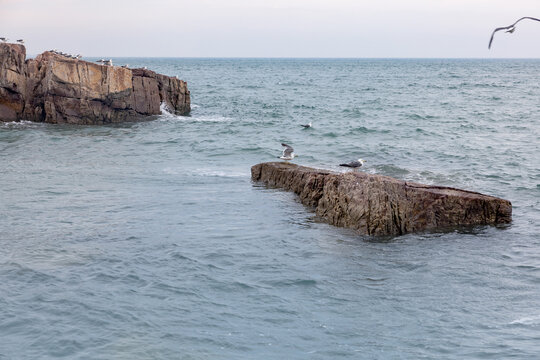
x: 273, y: 28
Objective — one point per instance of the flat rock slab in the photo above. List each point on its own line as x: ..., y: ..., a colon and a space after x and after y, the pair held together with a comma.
x: 381, y: 205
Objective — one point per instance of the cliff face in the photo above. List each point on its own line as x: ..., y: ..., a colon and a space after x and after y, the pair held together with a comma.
x: 56, y: 89
x: 381, y: 205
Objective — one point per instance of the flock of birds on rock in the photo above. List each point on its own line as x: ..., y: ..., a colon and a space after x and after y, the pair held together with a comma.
x: 5, y: 40
x: 105, y: 62
x: 54, y: 51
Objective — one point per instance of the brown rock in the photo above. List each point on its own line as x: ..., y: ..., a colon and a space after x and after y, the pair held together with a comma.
x: 57, y: 89
x: 381, y: 205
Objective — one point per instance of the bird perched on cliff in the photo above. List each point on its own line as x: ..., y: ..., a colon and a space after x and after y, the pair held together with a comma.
x: 109, y: 62
x: 125, y: 66
x: 288, y: 152
x: 354, y: 164
x: 509, y: 29
x: 306, y: 126
x: 20, y: 41
x: 3, y: 39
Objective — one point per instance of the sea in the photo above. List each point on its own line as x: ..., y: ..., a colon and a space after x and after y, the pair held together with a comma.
x: 148, y: 240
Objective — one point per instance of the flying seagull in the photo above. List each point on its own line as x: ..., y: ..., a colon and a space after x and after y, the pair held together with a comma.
x: 20, y: 41
x: 509, y: 29
x: 288, y: 152
x: 354, y: 164
x: 306, y: 126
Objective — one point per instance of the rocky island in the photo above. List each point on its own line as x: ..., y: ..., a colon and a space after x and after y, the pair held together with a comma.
x: 381, y: 205
x: 56, y: 89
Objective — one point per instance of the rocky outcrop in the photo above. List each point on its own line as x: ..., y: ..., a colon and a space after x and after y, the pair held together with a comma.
x: 57, y: 89
x: 381, y: 205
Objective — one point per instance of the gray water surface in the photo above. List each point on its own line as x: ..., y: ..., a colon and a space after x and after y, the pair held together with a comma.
x: 148, y: 240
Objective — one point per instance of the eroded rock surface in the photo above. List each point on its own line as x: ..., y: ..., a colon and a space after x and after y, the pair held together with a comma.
x: 381, y: 205
x: 56, y: 89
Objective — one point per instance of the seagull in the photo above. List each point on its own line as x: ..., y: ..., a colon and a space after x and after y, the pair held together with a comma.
x: 108, y: 62
x: 354, y: 164
x: 20, y: 41
x: 78, y: 56
x: 101, y: 61
x: 145, y: 68
x: 306, y: 126
x: 3, y: 39
x: 125, y: 66
x: 509, y: 29
x: 288, y: 152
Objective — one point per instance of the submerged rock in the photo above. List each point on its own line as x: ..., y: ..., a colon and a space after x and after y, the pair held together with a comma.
x: 381, y: 205
x: 56, y: 89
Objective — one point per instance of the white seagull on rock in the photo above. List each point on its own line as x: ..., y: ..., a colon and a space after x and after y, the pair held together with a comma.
x: 354, y: 164
x: 509, y: 29
x: 288, y: 152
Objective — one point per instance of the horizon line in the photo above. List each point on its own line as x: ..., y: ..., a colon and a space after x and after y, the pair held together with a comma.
x: 308, y: 57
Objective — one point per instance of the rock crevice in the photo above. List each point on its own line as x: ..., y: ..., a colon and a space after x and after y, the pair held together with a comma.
x: 56, y: 89
x: 381, y: 205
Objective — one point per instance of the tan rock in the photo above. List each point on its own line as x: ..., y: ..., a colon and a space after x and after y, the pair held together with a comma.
x: 381, y: 205
x: 57, y: 89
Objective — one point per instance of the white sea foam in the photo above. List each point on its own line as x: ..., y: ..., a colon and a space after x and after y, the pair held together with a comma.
x: 18, y: 124
x: 210, y: 118
x: 528, y: 320
x: 206, y: 172
x: 166, y: 115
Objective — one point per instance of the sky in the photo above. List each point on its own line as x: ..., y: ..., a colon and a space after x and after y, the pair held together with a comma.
x: 274, y: 28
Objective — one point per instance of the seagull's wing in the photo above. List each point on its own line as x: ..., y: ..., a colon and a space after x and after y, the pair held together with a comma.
x: 352, y: 164
x: 508, y: 27
x: 494, y: 31
x: 525, y: 17
x: 288, y: 150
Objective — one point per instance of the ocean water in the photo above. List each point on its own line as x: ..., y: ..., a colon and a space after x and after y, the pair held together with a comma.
x: 148, y: 240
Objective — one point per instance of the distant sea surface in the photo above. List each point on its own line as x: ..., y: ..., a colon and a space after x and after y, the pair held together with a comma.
x: 148, y: 240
